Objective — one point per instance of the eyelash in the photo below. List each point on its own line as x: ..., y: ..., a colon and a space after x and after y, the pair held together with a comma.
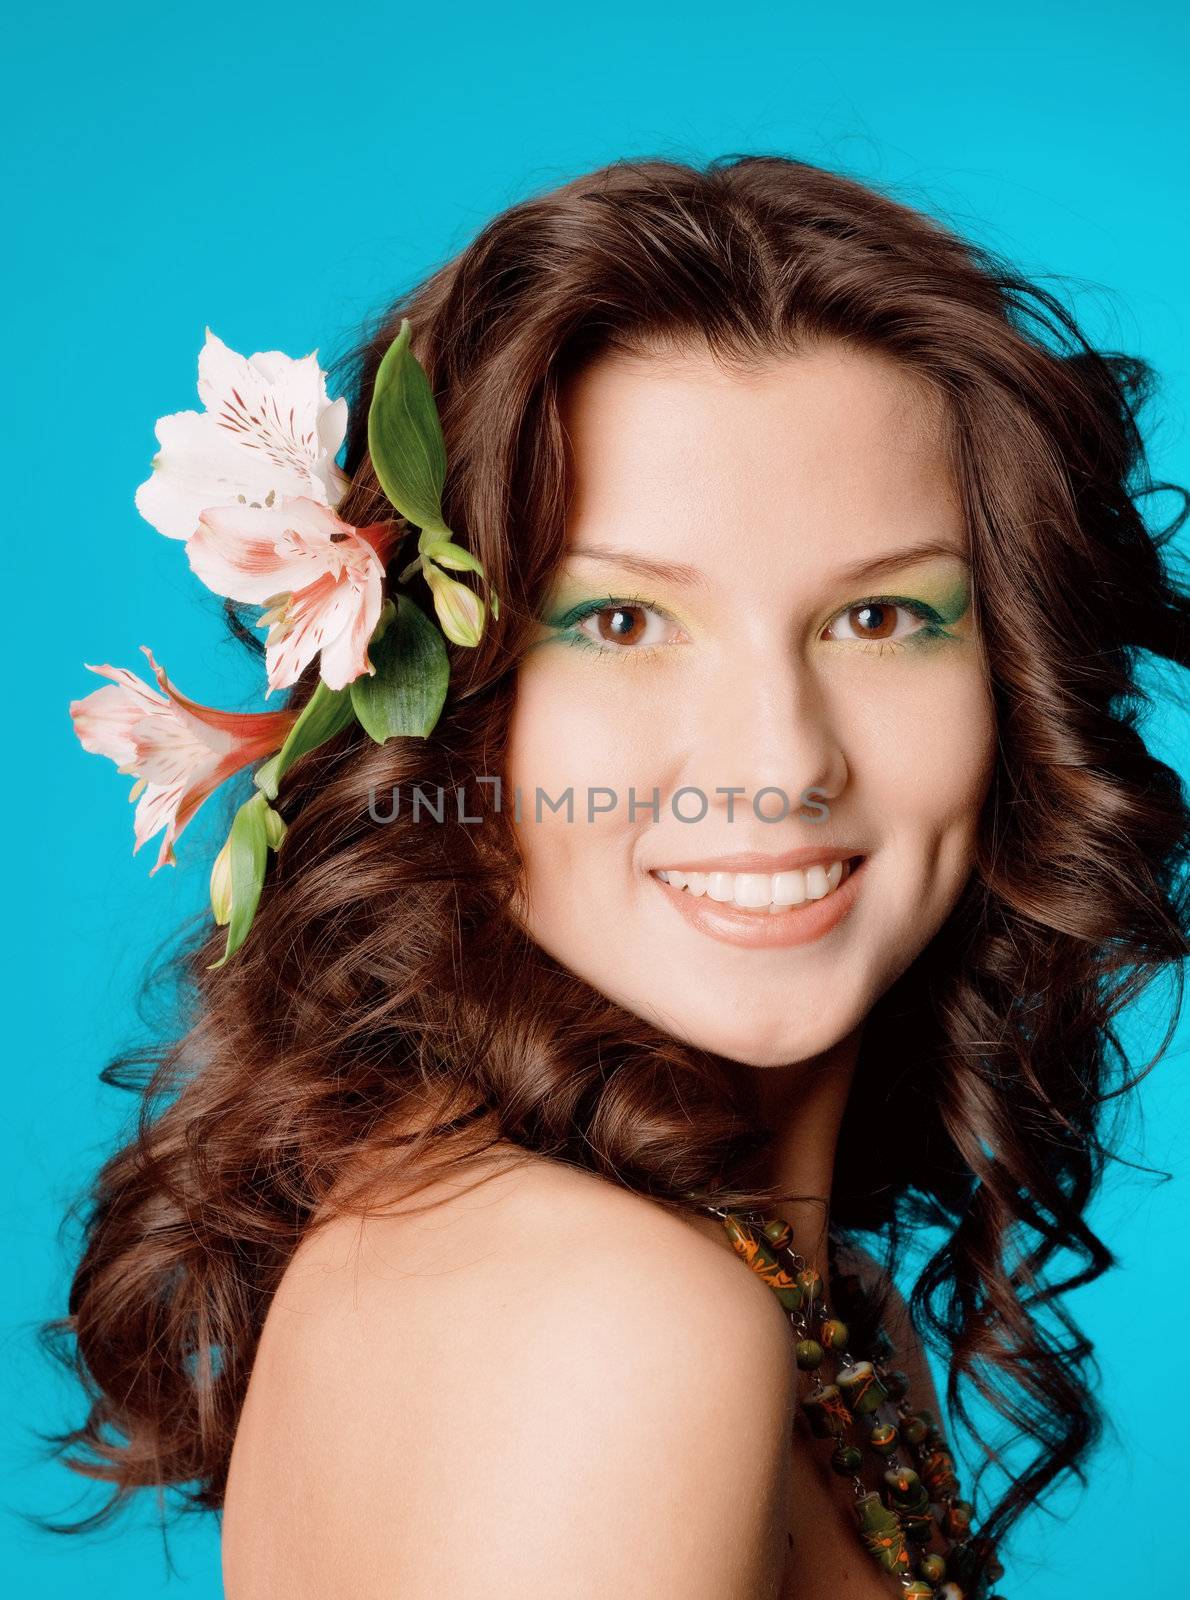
x: 932, y: 628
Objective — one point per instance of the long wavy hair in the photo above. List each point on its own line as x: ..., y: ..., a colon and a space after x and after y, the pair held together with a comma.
x: 385, y: 974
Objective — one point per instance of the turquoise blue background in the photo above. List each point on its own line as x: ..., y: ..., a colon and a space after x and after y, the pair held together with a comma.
x: 279, y: 171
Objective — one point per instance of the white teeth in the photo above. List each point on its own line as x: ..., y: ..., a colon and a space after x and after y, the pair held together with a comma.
x: 816, y: 884
x: 758, y: 891
x: 789, y: 887
x: 753, y: 889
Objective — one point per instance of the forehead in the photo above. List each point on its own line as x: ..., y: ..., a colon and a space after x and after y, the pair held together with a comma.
x: 834, y: 445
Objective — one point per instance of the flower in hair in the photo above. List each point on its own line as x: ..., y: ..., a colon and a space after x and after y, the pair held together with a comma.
x: 269, y: 430
x: 251, y: 486
x: 321, y: 580
x: 178, y: 750
x: 248, y: 484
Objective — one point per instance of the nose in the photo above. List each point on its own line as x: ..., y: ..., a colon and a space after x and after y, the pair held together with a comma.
x: 763, y: 727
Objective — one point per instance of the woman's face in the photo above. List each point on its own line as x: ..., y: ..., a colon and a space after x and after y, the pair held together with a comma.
x: 765, y: 605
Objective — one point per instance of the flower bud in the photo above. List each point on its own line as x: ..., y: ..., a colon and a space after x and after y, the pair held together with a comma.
x: 274, y: 827
x: 445, y: 553
x: 459, y: 609
x: 221, y: 886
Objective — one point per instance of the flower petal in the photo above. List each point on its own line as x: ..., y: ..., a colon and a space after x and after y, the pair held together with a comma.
x: 200, y: 465
x: 291, y: 644
x: 269, y: 430
x: 179, y: 751
x: 275, y: 405
x: 256, y: 553
x: 105, y: 718
x: 345, y: 654
x: 244, y: 734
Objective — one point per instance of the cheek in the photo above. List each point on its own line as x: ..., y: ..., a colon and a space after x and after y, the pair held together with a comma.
x: 569, y: 735
x: 921, y: 744
x: 943, y: 759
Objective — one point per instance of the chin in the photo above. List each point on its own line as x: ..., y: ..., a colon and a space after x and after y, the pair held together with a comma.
x: 742, y: 1041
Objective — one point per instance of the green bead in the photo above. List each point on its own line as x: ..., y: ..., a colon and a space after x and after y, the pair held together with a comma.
x: 860, y: 1387
x: 881, y: 1534
x: 933, y: 1567
x: 905, y: 1488
x: 897, y: 1383
x: 956, y: 1519
x: 847, y: 1459
x: 937, y: 1473
x: 833, y: 1334
x: 906, y: 1494
x: 809, y: 1354
x: 917, y: 1590
x: 778, y: 1233
x: 913, y: 1429
x: 763, y: 1262
x: 883, y: 1438
x: 826, y: 1413
x: 810, y: 1283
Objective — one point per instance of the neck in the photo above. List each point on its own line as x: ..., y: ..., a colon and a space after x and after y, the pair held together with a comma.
x: 803, y: 1104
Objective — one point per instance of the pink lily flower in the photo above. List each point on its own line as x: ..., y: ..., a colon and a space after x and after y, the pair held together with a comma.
x: 322, y: 579
x: 179, y: 751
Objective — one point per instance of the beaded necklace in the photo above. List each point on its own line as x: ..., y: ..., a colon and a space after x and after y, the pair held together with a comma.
x: 867, y: 1400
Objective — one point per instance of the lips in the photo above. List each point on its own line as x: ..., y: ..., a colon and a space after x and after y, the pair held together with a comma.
x: 783, y: 928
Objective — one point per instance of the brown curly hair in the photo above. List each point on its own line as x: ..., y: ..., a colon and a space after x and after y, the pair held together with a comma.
x: 385, y: 978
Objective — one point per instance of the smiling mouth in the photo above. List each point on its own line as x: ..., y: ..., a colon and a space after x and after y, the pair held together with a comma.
x: 762, y: 894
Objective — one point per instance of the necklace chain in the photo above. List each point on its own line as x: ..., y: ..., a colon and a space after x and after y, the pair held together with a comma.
x: 865, y: 1399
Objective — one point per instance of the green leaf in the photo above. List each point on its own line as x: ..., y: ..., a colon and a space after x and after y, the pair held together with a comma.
x: 407, y: 692
x: 326, y: 713
x: 248, y: 848
x: 405, y: 436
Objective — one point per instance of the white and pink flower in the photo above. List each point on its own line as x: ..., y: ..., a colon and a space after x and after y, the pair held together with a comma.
x: 178, y: 751
x: 269, y: 430
x: 322, y: 580
x: 250, y: 485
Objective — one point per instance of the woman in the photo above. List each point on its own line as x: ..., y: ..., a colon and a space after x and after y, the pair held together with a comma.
x: 823, y: 577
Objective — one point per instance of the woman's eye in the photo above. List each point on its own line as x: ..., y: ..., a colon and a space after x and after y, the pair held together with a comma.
x: 624, y: 624
x: 883, y: 621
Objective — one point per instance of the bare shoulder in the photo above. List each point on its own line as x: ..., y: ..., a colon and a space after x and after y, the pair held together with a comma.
x: 539, y: 1384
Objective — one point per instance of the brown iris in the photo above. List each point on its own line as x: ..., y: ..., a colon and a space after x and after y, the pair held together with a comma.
x: 885, y: 619
x: 615, y: 623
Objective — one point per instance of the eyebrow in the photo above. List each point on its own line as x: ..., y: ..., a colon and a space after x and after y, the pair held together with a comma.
x: 679, y: 572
